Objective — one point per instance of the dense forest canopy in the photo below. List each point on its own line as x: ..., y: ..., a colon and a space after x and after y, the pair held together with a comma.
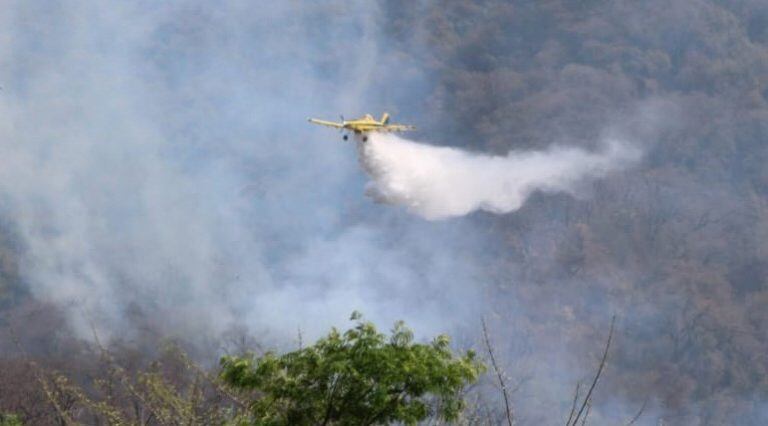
x: 157, y: 180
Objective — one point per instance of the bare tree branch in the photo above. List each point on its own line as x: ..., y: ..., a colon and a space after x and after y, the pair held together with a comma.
x: 597, y: 375
x: 573, y: 405
x: 586, y: 414
x: 39, y: 374
x: 498, y: 373
x: 639, y: 413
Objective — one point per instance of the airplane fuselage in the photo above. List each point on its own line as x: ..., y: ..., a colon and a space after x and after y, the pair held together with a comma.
x: 363, y: 126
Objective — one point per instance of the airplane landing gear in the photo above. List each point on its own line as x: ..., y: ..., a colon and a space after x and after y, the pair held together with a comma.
x: 365, y: 138
x: 345, y: 137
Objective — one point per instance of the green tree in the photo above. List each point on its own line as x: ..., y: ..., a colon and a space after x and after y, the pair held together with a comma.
x: 10, y: 420
x: 360, y: 377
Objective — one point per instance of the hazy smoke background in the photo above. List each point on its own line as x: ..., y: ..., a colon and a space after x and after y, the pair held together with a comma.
x: 438, y: 182
x: 157, y: 173
x: 157, y: 167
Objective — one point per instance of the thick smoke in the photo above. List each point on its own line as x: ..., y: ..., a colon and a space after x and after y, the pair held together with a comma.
x: 157, y: 172
x: 440, y: 182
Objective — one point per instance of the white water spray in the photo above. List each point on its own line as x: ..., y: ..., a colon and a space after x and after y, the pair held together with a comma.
x: 440, y: 182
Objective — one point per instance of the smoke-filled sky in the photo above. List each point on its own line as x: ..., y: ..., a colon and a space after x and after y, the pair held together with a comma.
x: 156, y: 158
x: 157, y: 171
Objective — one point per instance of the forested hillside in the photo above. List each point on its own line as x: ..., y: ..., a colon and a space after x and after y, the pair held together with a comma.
x: 676, y: 246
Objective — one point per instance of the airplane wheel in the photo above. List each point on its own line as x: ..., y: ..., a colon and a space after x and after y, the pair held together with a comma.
x: 365, y: 138
x: 346, y: 137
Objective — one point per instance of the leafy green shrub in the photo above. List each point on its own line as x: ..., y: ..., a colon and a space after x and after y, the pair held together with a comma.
x: 360, y: 377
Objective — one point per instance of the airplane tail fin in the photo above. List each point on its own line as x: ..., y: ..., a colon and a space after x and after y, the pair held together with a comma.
x: 385, y: 118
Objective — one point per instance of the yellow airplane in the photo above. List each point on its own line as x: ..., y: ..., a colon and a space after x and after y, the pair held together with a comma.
x: 363, y: 126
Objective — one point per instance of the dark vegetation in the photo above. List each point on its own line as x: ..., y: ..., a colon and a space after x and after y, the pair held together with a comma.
x: 359, y: 377
x: 677, y: 246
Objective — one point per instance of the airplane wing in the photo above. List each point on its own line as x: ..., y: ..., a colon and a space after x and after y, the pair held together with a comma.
x: 326, y: 123
x: 397, y: 128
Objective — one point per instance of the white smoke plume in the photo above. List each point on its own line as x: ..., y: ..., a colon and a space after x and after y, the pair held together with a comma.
x: 440, y: 182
